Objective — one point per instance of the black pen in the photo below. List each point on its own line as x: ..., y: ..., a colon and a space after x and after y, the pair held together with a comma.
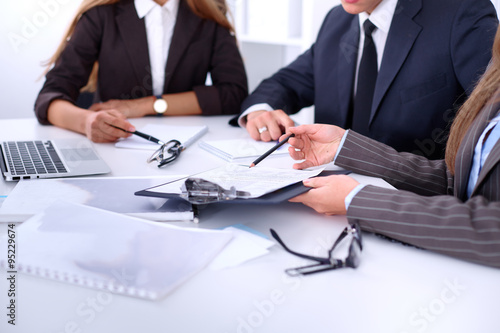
x: 142, y: 135
x: 270, y: 151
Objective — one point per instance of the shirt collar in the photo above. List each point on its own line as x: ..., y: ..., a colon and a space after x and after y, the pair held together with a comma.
x: 143, y: 7
x: 382, y: 16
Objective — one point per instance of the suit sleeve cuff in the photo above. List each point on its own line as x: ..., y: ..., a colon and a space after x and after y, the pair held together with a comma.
x: 352, y: 194
x: 340, y: 145
x: 242, y: 119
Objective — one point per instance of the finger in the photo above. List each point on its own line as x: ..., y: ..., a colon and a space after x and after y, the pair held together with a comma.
x: 316, y: 182
x: 113, y: 125
x: 300, y: 198
x: 273, y: 130
x: 252, y: 127
x: 303, y: 165
x: 253, y: 131
x: 284, y: 120
x: 297, y: 142
x: 296, y: 154
x: 304, y: 129
x: 265, y: 136
x: 119, y: 128
x: 102, y: 137
x: 267, y: 126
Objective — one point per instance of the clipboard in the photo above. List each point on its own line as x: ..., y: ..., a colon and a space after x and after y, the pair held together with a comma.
x: 276, y: 197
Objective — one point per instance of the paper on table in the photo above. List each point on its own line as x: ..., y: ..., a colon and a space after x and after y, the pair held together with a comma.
x: 241, y: 149
x: 185, y: 134
x: 30, y: 197
x: 94, y: 248
x: 243, y: 247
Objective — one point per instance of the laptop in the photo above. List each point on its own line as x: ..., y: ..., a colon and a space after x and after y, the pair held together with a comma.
x: 33, y: 159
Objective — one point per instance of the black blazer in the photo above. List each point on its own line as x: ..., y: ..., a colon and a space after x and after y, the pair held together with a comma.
x: 116, y: 37
x: 433, y: 210
x: 434, y: 54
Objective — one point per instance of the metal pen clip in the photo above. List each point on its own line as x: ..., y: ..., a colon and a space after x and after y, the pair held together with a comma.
x: 200, y: 191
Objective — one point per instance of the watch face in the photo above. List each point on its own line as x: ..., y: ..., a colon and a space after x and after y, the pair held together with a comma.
x: 160, y: 105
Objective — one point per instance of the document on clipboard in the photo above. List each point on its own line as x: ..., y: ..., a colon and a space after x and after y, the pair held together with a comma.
x: 235, y: 183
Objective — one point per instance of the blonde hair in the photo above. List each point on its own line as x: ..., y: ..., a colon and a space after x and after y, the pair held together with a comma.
x: 484, y: 91
x: 214, y: 10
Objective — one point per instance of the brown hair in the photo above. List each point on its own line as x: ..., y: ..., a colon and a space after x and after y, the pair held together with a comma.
x: 214, y: 10
x: 484, y: 91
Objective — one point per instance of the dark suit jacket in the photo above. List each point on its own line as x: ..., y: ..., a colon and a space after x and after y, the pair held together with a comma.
x: 435, y: 51
x: 432, y: 210
x: 116, y: 37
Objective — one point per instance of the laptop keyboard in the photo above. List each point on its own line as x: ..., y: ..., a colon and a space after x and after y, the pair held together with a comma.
x: 32, y: 157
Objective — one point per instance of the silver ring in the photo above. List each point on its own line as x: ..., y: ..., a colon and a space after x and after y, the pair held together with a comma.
x: 262, y: 129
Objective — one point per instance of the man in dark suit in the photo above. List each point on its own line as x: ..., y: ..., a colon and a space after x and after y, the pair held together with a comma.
x: 427, y: 56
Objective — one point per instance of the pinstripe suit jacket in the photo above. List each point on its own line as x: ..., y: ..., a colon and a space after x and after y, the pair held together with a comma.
x: 431, y: 210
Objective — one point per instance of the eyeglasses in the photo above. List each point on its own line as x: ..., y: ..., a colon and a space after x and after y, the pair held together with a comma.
x: 330, y: 263
x: 167, y: 153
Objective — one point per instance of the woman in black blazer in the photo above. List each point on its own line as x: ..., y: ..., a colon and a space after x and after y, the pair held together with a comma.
x: 106, y: 50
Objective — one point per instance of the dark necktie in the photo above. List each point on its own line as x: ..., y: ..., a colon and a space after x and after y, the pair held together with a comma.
x: 367, y: 76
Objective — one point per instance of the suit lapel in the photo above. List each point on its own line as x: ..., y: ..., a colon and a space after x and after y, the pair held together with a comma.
x: 347, y: 58
x: 185, y: 27
x: 465, y: 155
x: 133, y: 33
x: 402, y: 35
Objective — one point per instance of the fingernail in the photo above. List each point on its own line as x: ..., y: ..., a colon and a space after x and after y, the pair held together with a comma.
x: 307, y: 181
x: 131, y: 129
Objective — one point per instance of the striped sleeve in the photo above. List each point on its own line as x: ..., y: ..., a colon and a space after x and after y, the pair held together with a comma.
x: 402, y: 170
x: 467, y: 230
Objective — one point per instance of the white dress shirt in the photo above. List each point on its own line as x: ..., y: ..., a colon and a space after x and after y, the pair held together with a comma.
x: 160, y: 23
x: 381, y: 17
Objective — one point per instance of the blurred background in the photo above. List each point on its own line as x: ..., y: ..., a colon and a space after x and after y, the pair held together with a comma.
x: 271, y: 33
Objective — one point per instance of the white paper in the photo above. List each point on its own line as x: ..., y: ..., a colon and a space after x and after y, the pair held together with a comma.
x: 257, y: 181
x: 185, y: 134
x: 241, y: 149
x: 98, y: 249
x: 243, y: 247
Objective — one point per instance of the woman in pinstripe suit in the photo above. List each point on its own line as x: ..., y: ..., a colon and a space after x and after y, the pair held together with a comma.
x: 450, y: 206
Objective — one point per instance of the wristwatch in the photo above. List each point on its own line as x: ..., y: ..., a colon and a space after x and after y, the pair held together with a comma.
x: 160, y: 105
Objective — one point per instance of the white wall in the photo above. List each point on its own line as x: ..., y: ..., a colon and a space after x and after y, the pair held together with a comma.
x: 30, y: 30
x: 29, y: 33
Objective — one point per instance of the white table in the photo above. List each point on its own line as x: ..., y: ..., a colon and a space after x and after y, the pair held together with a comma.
x: 396, y: 288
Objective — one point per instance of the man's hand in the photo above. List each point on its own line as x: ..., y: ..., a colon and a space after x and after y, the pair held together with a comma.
x: 328, y: 194
x: 268, y: 125
x: 316, y: 144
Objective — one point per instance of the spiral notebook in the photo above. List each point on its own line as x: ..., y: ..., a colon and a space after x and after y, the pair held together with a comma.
x: 238, y: 150
x: 94, y: 248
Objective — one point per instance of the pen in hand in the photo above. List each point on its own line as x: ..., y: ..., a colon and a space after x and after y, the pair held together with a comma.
x: 270, y: 151
x: 142, y: 135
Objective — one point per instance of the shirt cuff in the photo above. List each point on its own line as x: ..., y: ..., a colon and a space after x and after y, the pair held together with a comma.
x: 242, y: 120
x: 340, y: 145
x: 352, y: 194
